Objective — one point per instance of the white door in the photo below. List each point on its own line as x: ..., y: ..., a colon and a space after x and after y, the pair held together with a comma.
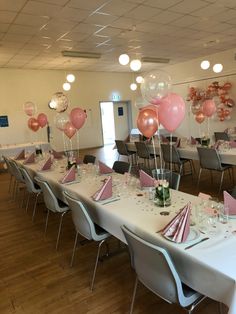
x: 121, y: 120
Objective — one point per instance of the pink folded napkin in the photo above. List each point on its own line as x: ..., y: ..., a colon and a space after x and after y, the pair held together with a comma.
x: 103, y: 169
x: 57, y: 155
x: 204, y: 196
x: 230, y: 201
x: 145, y: 179
x: 193, y: 141
x: 30, y: 159
x: 47, y: 165
x: 179, y: 227
x: 164, y: 139
x: 105, y: 191
x: 69, y: 176
x: 232, y: 144
x: 20, y: 155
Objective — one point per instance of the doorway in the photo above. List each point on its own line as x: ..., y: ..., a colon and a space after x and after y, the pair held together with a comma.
x: 116, y: 120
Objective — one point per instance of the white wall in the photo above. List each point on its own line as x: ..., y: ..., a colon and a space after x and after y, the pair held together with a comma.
x: 19, y: 86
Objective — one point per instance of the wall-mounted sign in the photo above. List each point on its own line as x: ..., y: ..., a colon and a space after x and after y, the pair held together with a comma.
x: 4, y: 121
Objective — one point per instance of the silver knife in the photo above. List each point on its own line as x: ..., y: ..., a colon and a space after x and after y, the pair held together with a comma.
x: 192, y: 245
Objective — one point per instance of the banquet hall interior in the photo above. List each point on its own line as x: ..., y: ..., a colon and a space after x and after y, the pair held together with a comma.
x: 79, y: 79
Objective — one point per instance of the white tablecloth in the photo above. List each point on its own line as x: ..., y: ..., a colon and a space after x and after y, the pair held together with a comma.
x: 209, y: 268
x: 190, y: 152
x: 13, y: 150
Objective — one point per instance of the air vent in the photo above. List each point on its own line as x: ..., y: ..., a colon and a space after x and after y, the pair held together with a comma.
x: 79, y: 54
x: 155, y: 60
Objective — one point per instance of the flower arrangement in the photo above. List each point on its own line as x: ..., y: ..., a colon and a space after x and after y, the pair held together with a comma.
x: 162, y: 193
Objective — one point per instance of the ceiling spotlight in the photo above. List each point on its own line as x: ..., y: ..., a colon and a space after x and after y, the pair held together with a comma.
x: 205, y: 64
x: 218, y: 67
x: 70, y: 78
x: 133, y: 86
x: 124, y: 59
x: 66, y: 86
x: 135, y: 65
x: 139, y: 79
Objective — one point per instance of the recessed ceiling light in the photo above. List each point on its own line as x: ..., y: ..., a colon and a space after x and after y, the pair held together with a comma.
x: 124, y: 59
x: 205, y: 64
x: 135, y: 65
x: 218, y: 67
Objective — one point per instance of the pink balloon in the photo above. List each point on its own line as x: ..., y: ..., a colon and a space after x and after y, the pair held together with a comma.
x: 199, y: 117
x: 69, y: 129
x: 77, y: 117
x: 42, y: 120
x: 33, y: 124
x: 208, y: 107
x: 171, y: 111
x: 147, y: 122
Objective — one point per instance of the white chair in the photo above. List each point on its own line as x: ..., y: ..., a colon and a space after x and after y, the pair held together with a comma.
x: 32, y: 189
x: 87, y: 228
x: 53, y: 205
x: 155, y: 270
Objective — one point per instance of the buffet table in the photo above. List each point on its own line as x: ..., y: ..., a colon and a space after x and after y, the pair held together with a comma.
x: 14, y: 149
x: 209, y: 267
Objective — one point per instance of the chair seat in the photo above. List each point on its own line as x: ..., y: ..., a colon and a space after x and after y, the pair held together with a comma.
x: 101, y: 234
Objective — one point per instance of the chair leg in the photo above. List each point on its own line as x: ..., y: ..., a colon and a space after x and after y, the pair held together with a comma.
x: 35, y: 205
x: 134, y: 295
x: 74, y: 249
x: 46, y: 223
x: 96, y: 265
x: 221, y: 181
x: 199, y: 175
x: 59, y: 229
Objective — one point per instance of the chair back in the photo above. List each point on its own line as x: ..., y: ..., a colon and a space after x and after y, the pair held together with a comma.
x: 50, y: 199
x: 121, y: 167
x: 89, y: 159
x: 142, y: 150
x: 153, y: 267
x: 30, y: 185
x: 209, y: 158
x: 221, y: 136
x: 170, y: 153
x: 80, y: 216
x: 172, y: 177
x: 121, y: 147
x: 16, y: 171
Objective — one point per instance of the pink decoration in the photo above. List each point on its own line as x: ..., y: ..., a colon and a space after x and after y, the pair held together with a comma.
x: 147, y: 122
x: 209, y: 107
x: 42, y: 120
x: 171, y: 111
x: 69, y: 130
x: 30, y: 159
x: 69, y: 176
x: 179, y: 227
x: 145, y: 179
x: 20, y: 155
x: 103, y: 169
x: 230, y: 201
x: 77, y: 117
x: 105, y: 191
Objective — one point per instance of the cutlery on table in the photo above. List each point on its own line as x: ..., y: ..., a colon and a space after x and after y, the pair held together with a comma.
x: 196, y: 243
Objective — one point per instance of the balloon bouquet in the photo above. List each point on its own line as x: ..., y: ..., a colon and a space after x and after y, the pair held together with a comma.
x: 164, y: 107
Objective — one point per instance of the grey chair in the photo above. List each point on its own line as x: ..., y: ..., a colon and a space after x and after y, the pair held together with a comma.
x: 221, y: 136
x: 53, y: 204
x: 209, y: 159
x: 172, y: 177
x: 144, y: 153
x: 85, y: 227
x: 121, y: 167
x: 171, y: 155
x: 89, y: 159
x: 156, y: 271
x: 32, y: 189
x: 123, y: 150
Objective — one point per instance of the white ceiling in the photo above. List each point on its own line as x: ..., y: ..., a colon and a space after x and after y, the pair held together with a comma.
x: 33, y: 33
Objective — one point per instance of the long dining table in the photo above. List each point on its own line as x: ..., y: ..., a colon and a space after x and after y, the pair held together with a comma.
x: 209, y: 267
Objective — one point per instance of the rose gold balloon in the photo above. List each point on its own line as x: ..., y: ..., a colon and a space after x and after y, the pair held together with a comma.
x: 147, y: 122
x: 199, y: 117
